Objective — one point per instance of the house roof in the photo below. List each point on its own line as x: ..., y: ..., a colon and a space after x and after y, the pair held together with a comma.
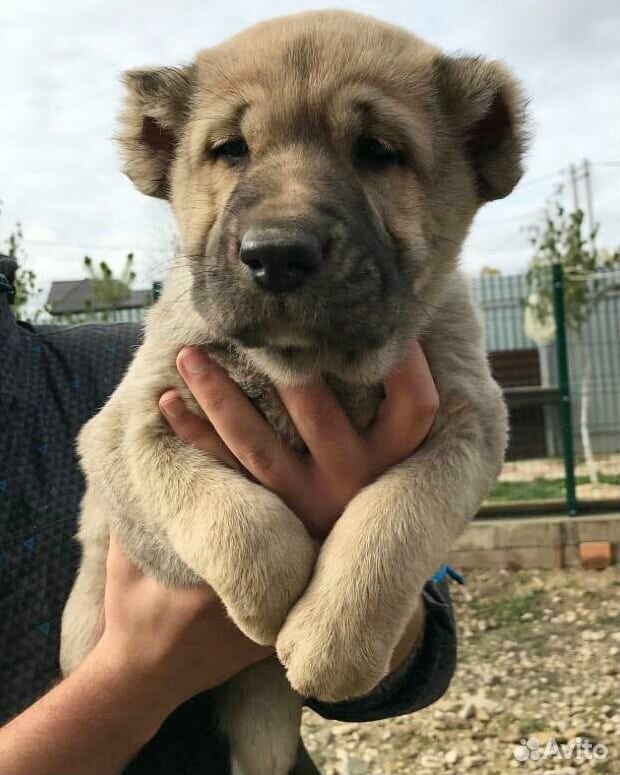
x: 75, y: 296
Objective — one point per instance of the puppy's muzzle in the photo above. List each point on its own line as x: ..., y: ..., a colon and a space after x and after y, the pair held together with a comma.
x: 280, y: 258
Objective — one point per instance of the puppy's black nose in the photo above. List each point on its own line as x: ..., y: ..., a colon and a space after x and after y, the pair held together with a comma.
x: 280, y: 260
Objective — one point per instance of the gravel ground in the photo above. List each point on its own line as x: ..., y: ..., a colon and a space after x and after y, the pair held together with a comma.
x: 539, y: 658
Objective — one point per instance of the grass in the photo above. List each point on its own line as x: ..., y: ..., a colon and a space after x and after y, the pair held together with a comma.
x: 610, y: 697
x: 508, y: 609
x: 609, y: 622
x: 541, y: 489
x: 530, y: 726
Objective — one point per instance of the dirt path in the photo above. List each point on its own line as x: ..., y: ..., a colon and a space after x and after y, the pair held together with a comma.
x: 539, y: 658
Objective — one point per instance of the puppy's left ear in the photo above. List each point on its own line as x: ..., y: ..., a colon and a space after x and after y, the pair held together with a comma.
x: 486, y: 109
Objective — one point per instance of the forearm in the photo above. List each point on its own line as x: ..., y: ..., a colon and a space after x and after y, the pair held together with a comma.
x: 94, y: 721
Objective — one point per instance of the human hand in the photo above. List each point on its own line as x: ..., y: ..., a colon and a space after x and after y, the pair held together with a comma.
x: 178, y: 641
x: 341, y: 461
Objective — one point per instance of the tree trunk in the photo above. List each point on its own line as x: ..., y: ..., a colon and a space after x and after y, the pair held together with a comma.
x: 584, y: 367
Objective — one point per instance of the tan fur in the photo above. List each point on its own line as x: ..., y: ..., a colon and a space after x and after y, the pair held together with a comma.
x: 293, y: 88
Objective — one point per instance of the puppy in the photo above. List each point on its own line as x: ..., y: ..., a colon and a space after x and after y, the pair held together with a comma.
x: 323, y: 170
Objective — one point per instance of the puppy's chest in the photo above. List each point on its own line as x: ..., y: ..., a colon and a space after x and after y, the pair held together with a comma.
x: 360, y: 402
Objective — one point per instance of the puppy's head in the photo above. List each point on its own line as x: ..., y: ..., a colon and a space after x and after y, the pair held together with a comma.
x: 323, y: 170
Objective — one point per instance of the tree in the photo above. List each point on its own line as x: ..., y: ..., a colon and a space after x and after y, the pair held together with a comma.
x: 26, y: 285
x: 561, y: 240
x: 110, y: 290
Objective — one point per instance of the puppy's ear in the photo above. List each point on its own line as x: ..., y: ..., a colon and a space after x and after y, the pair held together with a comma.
x: 154, y: 113
x: 487, y: 110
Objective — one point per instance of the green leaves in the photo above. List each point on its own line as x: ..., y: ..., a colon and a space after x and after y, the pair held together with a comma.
x: 108, y: 289
x: 561, y: 239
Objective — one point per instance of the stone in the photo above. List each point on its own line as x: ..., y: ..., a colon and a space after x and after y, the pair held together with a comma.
x: 593, y: 635
x: 451, y: 756
x: 354, y: 766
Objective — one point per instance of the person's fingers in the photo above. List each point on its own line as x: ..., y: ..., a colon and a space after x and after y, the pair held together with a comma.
x: 194, y: 430
x: 406, y: 415
x: 247, y: 435
x: 322, y: 423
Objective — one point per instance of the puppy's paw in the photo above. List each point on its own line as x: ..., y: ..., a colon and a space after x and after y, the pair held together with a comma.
x: 270, y: 574
x: 327, y: 656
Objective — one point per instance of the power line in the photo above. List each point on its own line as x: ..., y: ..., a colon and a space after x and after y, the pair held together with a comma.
x: 512, y: 219
x: 542, y: 178
x: 562, y: 171
x: 479, y: 249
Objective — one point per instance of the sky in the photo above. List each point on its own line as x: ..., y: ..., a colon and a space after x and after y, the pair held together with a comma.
x: 59, y: 169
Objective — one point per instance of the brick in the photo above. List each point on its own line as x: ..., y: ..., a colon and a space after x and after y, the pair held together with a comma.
x: 595, y: 554
x: 527, y: 533
x: 570, y: 532
x: 477, y: 536
x: 512, y: 559
x: 594, y: 529
x: 570, y: 556
x: 548, y: 542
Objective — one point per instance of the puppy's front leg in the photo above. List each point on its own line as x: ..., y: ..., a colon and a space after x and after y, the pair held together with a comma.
x: 338, y: 639
x: 236, y: 535
x: 251, y: 548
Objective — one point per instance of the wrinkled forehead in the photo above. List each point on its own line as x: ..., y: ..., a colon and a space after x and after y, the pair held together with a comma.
x: 302, y: 91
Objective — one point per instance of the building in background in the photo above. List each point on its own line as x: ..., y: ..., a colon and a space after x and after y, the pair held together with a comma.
x: 77, y: 301
x: 528, y: 372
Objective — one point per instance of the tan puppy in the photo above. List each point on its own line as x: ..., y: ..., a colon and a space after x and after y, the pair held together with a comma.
x: 323, y: 170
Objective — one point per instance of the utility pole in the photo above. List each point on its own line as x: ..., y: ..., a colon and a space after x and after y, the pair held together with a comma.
x: 591, y: 223
x: 585, y: 174
x: 573, y: 180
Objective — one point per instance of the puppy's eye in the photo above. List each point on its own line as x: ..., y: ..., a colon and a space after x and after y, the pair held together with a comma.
x: 232, y: 151
x: 372, y: 152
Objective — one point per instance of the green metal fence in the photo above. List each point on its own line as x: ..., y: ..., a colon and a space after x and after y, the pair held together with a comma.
x: 542, y: 405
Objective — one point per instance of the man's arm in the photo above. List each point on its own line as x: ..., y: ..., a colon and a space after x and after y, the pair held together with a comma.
x: 160, y: 647
x: 93, y: 721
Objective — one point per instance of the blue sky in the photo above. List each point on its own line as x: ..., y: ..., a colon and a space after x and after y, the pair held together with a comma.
x: 59, y: 171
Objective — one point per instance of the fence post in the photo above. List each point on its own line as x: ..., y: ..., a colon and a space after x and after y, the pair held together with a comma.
x: 157, y: 289
x: 564, y: 386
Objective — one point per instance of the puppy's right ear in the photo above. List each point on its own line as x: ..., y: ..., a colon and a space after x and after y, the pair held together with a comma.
x: 153, y: 116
